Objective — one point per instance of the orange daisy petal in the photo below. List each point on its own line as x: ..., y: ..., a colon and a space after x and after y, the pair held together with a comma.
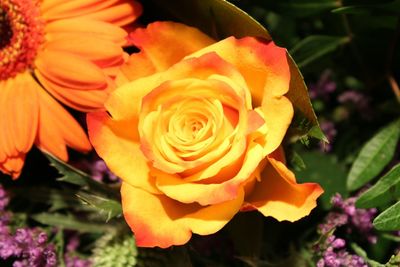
x: 80, y: 28
x: 278, y: 195
x: 58, y: 129
x: 56, y: 10
x: 19, y: 122
x: 83, y: 100
x: 95, y: 49
x: 175, y: 221
x: 70, y: 71
x: 122, y: 13
x: 13, y: 165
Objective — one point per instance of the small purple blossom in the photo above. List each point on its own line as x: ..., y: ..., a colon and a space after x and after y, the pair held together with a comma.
x: 324, y: 87
x: 70, y: 258
x: 360, y: 220
x: 4, y: 199
x: 346, y: 216
x: 97, y: 169
x: 28, y: 246
x: 100, y: 170
x: 358, y: 100
x: 75, y: 261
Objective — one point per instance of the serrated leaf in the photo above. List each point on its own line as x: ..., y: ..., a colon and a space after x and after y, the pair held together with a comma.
x: 313, y: 47
x: 382, y: 192
x: 109, y: 207
x: 69, y: 222
x: 389, y: 220
x: 74, y: 176
x: 220, y: 19
x: 374, y: 156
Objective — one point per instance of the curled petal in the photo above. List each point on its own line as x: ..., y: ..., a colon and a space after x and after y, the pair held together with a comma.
x: 180, y: 39
x: 175, y: 222
x: 265, y: 68
x: 278, y: 195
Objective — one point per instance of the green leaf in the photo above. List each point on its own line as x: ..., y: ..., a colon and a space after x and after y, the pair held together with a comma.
x: 303, y: 8
x: 394, y: 261
x: 325, y: 170
x: 74, y: 176
x: 57, y: 199
x: 296, y: 161
x: 109, y: 207
x: 220, y: 19
x: 382, y: 192
x: 313, y: 47
x: 389, y: 220
x: 392, y: 8
x: 69, y: 222
x: 374, y: 156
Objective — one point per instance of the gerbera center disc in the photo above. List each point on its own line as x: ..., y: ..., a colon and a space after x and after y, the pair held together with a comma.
x: 21, y: 32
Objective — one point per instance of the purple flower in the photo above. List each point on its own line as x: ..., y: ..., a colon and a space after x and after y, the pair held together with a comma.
x: 97, y: 169
x: 75, y: 261
x: 360, y: 220
x: 358, y: 100
x: 72, y: 260
x: 346, y: 216
x: 100, y: 171
x: 4, y: 199
x: 324, y: 87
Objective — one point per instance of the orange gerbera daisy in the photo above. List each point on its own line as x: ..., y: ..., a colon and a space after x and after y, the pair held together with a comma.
x: 67, y: 50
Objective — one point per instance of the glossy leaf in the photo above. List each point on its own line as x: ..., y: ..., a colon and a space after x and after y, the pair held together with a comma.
x: 312, y: 48
x: 374, y: 156
x: 382, y: 192
x: 327, y: 171
x: 392, y: 8
x: 69, y: 222
x: 220, y: 19
x: 303, y: 8
x: 389, y: 220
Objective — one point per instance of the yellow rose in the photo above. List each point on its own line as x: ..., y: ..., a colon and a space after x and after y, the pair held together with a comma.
x: 195, y: 131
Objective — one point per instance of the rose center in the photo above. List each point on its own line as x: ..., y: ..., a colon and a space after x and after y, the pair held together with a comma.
x: 21, y: 31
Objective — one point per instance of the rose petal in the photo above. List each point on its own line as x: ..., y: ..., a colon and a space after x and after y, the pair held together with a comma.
x: 180, y: 39
x: 265, y: 68
x: 278, y: 195
x: 206, y: 194
x: 126, y: 101
x: 117, y: 143
x: 157, y: 220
